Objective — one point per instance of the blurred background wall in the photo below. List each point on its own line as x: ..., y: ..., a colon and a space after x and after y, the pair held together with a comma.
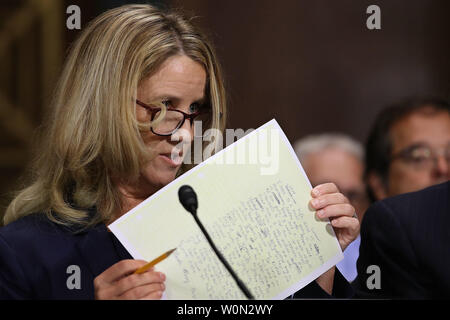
x: 312, y: 65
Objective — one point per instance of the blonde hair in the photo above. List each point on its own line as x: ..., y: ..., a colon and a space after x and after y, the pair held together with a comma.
x: 92, y: 130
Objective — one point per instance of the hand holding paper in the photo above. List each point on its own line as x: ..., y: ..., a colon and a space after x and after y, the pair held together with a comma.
x: 119, y: 282
x: 330, y: 204
x: 259, y: 219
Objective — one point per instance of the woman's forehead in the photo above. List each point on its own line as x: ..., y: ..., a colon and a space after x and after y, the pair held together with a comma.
x: 179, y: 76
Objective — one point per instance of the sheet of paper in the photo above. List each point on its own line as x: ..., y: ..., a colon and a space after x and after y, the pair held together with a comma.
x: 257, y: 214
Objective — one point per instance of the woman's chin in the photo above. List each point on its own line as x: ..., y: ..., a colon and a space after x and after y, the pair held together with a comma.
x: 159, y: 174
x: 161, y: 179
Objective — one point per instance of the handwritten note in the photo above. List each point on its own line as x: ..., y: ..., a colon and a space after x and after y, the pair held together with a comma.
x: 260, y: 222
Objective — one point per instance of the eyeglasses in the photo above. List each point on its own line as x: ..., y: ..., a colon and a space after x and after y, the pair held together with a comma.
x: 173, y: 119
x: 422, y: 156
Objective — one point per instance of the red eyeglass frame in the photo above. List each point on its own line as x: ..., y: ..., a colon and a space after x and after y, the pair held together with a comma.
x: 154, y: 110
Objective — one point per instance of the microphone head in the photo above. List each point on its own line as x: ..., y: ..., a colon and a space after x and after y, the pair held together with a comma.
x: 188, y: 198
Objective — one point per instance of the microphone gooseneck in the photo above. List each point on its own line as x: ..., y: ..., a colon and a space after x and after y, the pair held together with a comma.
x: 188, y: 199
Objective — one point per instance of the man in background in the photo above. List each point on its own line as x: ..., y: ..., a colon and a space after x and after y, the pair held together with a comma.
x: 404, y: 239
x: 337, y: 158
x: 408, y: 148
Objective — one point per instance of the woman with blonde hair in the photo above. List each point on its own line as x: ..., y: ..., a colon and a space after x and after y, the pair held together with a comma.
x: 133, y: 79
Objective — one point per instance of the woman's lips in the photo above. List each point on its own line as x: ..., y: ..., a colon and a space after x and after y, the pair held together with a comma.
x: 172, y: 160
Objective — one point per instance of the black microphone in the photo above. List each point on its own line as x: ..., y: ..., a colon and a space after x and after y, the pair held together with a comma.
x: 188, y: 199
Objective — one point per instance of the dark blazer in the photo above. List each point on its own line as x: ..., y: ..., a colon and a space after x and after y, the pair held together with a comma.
x: 35, y: 255
x: 408, y: 237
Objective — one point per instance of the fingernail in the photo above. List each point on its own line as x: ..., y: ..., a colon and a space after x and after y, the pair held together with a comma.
x: 162, y: 276
x: 315, y: 203
x: 321, y: 213
x: 163, y: 286
x: 316, y: 192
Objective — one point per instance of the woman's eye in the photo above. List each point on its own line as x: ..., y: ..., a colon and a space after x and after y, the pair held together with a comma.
x: 195, y: 107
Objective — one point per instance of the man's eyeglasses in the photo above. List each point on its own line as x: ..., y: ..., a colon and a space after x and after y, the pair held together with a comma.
x: 173, y: 119
x: 422, y: 156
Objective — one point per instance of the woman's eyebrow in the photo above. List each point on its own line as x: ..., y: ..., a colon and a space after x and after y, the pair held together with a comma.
x: 175, y: 99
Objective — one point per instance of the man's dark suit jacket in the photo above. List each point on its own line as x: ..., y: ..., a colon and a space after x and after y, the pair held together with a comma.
x: 408, y: 238
x: 35, y: 256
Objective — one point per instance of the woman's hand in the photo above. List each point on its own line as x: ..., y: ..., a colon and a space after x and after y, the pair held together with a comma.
x: 332, y: 204
x: 119, y: 283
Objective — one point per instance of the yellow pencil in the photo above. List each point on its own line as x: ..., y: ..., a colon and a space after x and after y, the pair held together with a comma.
x: 153, y: 262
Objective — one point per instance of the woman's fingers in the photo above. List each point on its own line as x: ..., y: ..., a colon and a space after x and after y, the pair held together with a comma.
x: 153, y: 296
x: 336, y: 210
x: 154, y: 289
x: 329, y: 203
x: 120, y: 282
x: 346, y: 223
x: 120, y: 269
x: 328, y: 199
x: 137, y: 280
x: 324, y: 188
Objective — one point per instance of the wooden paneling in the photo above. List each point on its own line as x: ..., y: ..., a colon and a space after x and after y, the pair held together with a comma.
x: 31, y: 47
x: 314, y: 66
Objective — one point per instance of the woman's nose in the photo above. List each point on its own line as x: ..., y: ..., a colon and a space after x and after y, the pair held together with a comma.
x: 185, y: 133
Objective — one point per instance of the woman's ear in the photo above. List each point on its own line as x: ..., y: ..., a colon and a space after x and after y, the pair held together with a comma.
x: 377, y: 186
